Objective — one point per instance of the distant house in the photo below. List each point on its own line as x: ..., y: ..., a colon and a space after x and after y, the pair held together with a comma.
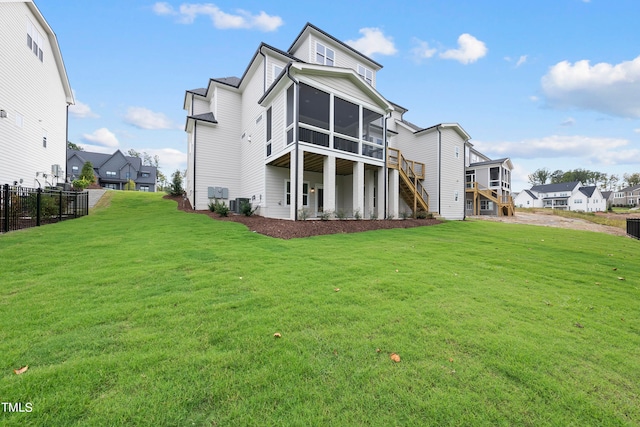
x: 306, y: 132
x: 113, y: 170
x: 629, y: 196
x: 564, y: 195
x: 34, y: 96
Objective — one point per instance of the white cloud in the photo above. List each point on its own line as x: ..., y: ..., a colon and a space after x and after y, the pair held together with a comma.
x: 80, y: 109
x: 570, y: 121
x: 102, y: 137
x: 242, y: 19
x: 470, y: 49
x: 637, y: 130
x: 422, y: 50
x: 144, y: 118
x: 592, y: 150
x: 373, y: 41
x: 170, y: 158
x: 534, y: 98
x: 521, y: 60
x: 603, y: 87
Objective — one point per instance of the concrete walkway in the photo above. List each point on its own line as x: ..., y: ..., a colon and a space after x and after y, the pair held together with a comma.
x: 94, y: 196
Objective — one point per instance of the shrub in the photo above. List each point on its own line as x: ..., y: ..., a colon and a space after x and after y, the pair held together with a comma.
x: 373, y: 215
x: 175, y: 188
x: 424, y: 215
x: 357, y: 215
x: 245, y: 208
x: 341, y: 214
x: 80, y: 184
x: 130, y: 185
x: 219, y: 207
x: 405, y: 214
x: 325, y: 215
x: 303, y: 214
x: 390, y: 216
x: 87, y: 173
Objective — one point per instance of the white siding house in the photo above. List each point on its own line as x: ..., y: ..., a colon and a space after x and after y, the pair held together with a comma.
x: 34, y: 96
x: 304, y: 132
x: 565, y: 196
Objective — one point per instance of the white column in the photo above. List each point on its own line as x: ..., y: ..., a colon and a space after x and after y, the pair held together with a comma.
x: 394, y: 193
x: 370, y: 183
x: 329, y: 183
x: 358, y: 187
x: 300, y: 179
x: 292, y: 185
x: 380, y: 197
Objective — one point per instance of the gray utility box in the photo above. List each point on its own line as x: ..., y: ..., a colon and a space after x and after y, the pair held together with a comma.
x: 218, y: 192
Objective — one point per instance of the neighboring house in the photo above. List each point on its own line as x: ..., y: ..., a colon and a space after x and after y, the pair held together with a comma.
x: 488, y: 185
x: 304, y: 132
x: 565, y: 195
x: 34, y: 96
x: 629, y: 196
x: 113, y: 170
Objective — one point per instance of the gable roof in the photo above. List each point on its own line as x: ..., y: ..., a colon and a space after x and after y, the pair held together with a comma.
x: 310, y: 27
x: 551, y: 188
x: 55, y: 47
x: 488, y: 162
x: 533, y: 196
x: 588, y: 191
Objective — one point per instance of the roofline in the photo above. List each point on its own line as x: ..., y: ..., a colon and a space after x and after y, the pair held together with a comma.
x: 463, y: 133
x: 55, y: 47
x: 324, y: 33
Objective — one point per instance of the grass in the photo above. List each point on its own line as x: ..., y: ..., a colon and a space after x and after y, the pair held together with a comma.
x: 143, y: 315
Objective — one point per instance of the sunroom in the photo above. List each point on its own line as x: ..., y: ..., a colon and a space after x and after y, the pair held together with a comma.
x: 330, y: 159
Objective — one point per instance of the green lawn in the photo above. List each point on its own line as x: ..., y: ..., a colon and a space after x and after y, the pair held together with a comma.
x: 143, y: 315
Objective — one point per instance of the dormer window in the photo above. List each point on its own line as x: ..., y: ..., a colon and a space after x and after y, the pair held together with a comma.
x: 366, y: 74
x: 324, y: 55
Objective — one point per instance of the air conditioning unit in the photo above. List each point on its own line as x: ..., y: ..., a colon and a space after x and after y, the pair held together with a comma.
x: 56, y: 170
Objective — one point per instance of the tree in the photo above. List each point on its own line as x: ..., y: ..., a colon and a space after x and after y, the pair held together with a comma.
x: 539, y: 177
x: 87, y: 173
x: 632, y: 179
x: 556, y: 176
x: 72, y: 146
x: 133, y: 153
x: 130, y: 185
x: 175, y: 188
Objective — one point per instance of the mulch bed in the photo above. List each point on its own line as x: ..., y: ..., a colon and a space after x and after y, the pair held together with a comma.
x: 286, y: 229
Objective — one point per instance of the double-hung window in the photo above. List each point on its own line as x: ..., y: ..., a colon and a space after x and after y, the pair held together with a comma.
x: 366, y: 74
x: 324, y: 55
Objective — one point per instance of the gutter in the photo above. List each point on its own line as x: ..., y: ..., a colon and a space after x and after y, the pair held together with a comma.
x: 295, y: 130
x: 195, y: 133
x: 264, y: 69
x: 385, y: 168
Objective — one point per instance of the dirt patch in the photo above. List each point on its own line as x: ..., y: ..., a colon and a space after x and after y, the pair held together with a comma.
x: 286, y: 229
x: 547, y: 219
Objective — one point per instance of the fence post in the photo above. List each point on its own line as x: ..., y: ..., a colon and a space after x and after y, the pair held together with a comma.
x: 38, y: 206
x: 5, y: 202
x: 60, y: 207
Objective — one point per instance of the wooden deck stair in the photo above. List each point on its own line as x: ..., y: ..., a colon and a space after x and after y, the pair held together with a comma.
x: 411, y: 173
x: 506, y: 207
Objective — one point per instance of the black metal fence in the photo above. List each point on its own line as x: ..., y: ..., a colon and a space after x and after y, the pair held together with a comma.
x: 633, y: 227
x: 22, y: 207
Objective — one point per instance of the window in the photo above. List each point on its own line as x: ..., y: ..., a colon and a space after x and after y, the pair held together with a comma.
x: 111, y: 174
x: 276, y: 71
x: 346, y: 117
x: 578, y: 201
x: 494, y: 177
x: 457, y: 152
x: 75, y: 169
x: 324, y: 55
x: 111, y: 186
x: 35, y: 40
x: 145, y: 174
x: 486, y: 205
x: 372, y: 126
x: 469, y: 204
x: 305, y: 193
x: 44, y: 138
x: 269, y: 123
x: 144, y: 188
x: 314, y: 107
x: 455, y: 196
x: 366, y: 74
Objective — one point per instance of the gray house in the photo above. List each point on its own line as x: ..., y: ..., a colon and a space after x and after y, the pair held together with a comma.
x: 113, y: 170
x: 629, y: 196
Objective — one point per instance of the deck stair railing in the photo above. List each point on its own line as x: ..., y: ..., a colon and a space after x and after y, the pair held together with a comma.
x: 506, y: 207
x: 411, y: 174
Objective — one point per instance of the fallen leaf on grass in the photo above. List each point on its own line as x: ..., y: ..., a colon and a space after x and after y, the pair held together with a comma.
x: 378, y: 350
x: 620, y: 278
x: 395, y: 357
x: 614, y: 269
x: 337, y: 289
x: 451, y: 359
x: 396, y: 270
x: 277, y: 335
x: 21, y: 370
x: 578, y: 325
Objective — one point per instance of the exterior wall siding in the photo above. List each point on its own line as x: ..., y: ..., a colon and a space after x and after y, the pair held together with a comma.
x: 452, y: 179
x: 34, y: 90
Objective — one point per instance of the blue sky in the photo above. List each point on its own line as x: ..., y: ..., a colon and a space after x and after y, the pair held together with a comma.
x: 548, y: 83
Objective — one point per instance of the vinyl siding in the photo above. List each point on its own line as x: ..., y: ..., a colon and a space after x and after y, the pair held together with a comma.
x: 452, y: 176
x: 218, y: 150
x: 33, y: 89
x: 345, y: 87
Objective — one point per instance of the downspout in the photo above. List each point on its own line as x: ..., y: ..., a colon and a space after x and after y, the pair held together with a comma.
x: 439, y: 169
x: 66, y: 142
x: 464, y: 180
x: 195, y: 133
x: 385, y: 169
x: 295, y: 130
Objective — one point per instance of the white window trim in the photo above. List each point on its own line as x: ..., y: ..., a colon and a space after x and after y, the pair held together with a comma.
x: 291, y: 193
x: 326, y: 50
x: 363, y: 71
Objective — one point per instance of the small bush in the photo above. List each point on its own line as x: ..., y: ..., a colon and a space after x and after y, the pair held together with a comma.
x: 219, y: 207
x: 245, y: 208
x: 130, y: 185
x: 325, y: 215
x: 303, y: 214
x: 424, y: 215
x: 390, y: 216
x: 81, y: 184
x: 357, y: 215
x: 373, y: 215
x: 341, y: 214
x: 405, y: 214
